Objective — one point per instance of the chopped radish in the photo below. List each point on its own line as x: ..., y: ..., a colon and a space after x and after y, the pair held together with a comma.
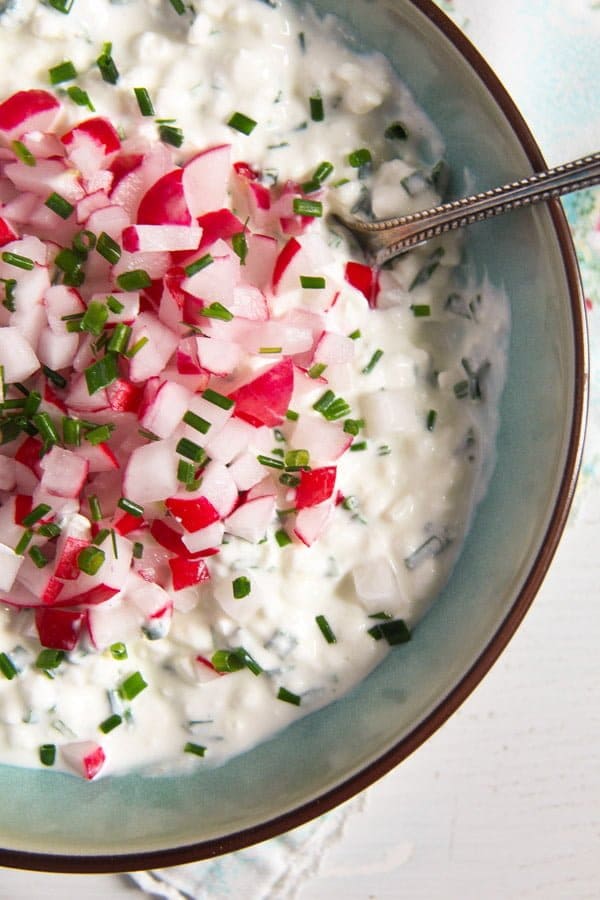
x: 205, y: 178
x: 10, y: 563
x: 311, y: 522
x: 64, y: 473
x: 207, y: 539
x: 160, y: 238
x: 315, y: 486
x: 164, y: 203
x: 59, y: 628
x: 220, y: 224
x: 166, y: 410
x: 24, y: 111
x: 18, y: 359
x: 151, y: 472
x: 86, y: 758
x: 266, y: 399
x: 188, y: 572
x: 364, y: 279
x: 193, y: 514
x: 250, y: 520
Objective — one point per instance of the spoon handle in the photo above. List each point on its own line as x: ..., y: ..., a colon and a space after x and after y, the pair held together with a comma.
x: 386, y: 238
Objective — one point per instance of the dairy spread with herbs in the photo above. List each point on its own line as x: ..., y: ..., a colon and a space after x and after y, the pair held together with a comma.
x: 279, y: 448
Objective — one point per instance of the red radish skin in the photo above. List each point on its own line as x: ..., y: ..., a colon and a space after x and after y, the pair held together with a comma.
x: 266, y: 399
x: 315, y: 486
x: 193, y: 514
x: 365, y: 279
x: 24, y: 111
x: 188, y: 572
x: 59, y: 629
x: 164, y: 203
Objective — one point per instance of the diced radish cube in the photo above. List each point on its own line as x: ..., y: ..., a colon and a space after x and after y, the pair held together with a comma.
x: 266, y: 399
x: 216, y: 356
x: 260, y: 260
x: 92, y: 144
x: 220, y: 224
x: 152, y: 358
x: 375, y: 583
x: 311, y: 523
x: 86, y: 758
x: 65, y: 564
x: 246, y: 471
x: 192, y: 514
x: 315, y: 486
x: 218, y: 487
x: 334, y: 349
x: 58, y: 629
x: 161, y: 238
x: 7, y: 232
x: 365, y: 279
x: 46, y: 177
x: 10, y: 563
x: 18, y: 359
x: 79, y: 398
x: 164, y: 203
x: 110, y: 623
x: 151, y: 472
x: 325, y: 441
x: 64, y: 472
x: 208, y: 538
x: 100, y: 457
x: 24, y: 111
x: 212, y: 413
x: 61, y: 301
x: 7, y: 473
x: 251, y: 520
x: 232, y: 439
x: 249, y: 302
x: 56, y: 350
x: 214, y: 283
x: 165, y: 412
x: 188, y: 572
x: 123, y: 396
x: 205, y: 179
x: 129, y: 300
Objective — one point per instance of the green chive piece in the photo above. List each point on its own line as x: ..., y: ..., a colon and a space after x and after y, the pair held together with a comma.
x: 134, y: 281
x: 136, y: 349
x: 101, y: 373
x: 144, y: 102
x: 65, y: 71
x: 7, y: 667
x: 431, y: 419
x: 32, y: 404
x: 292, y: 416
x: 138, y: 550
x: 107, y: 66
x: 326, y: 629
x: 425, y: 273
x: 241, y: 587
x: 63, y: 6
x: 128, y: 506
x: 353, y: 426
x: 289, y: 480
x: 239, y: 122
x: 357, y: 446
x: 59, y: 205
x: 80, y: 97
x: 119, y: 339
x: 227, y: 661
x: 55, y: 377
x: 50, y: 530
x: 240, y: 246
x: 355, y: 335
x: 360, y: 158
x: 49, y: 659
x: 110, y: 724
x: 372, y: 362
x: 288, y: 696
x: 191, y: 451
x: 37, y: 513
x: 269, y: 350
x: 99, y: 435
x: 216, y: 310
x: 186, y: 472
x: 317, y: 370
x: 68, y: 261
x: 323, y: 171
x: 461, y: 389
x: 190, y: 747
x: 23, y: 542
x: 118, y: 650
x: 331, y: 407
x: 282, y: 538
x: 310, y: 208
x: 71, y: 429
x: 47, y: 754
x: 198, y: 265
x: 132, y: 686
x: 20, y: 262
x: 218, y: 399
x: 38, y: 557
x: 178, y: 6
x: 297, y: 459
x: 113, y: 304
x: 101, y: 536
x: 95, y: 508
x: 312, y: 282
x: 9, y: 293
x: 197, y: 422
x: 270, y: 461
x: 108, y: 248
x: 317, y: 111
x: 420, y: 310
x: 397, y: 131
x: 170, y: 134
x: 395, y: 631
x: 23, y: 154
x: 90, y: 559
x: 94, y: 318
x: 84, y: 242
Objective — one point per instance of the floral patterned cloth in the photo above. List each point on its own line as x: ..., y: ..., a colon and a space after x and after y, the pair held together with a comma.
x: 545, y: 52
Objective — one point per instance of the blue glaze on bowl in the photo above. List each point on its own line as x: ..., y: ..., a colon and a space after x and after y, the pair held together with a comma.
x: 341, y: 748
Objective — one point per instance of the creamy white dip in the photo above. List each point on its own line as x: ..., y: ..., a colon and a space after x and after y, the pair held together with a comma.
x: 430, y: 417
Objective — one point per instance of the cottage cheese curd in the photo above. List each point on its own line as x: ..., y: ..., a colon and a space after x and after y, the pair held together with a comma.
x: 422, y: 380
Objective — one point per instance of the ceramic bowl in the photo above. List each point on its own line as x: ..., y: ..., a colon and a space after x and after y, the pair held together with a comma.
x: 58, y: 823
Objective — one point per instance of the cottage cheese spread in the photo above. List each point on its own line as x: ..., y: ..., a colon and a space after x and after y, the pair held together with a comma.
x: 422, y: 379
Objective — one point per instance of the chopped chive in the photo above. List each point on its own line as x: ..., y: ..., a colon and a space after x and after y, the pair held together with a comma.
x: 357, y: 446
x: 297, y: 459
x: 195, y: 421
x: 270, y: 461
x: 136, y: 349
x: 71, y: 429
x: 119, y: 339
x: 107, y: 66
x: 20, y: 262
x: 108, y: 248
x: 171, y: 134
x: 384, y: 450
x: 128, y: 506
x: 427, y: 270
x: 431, y: 419
x: 99, y: 435
x: 47, y: 754
x: 101, y: 536
x: 420, y: 310
x: 186, y: 471
x: 198, y: 265
x: 138, y: 550
x: 240, y: 246
x: 178, y: 6
x: 227, y: 661
x: 90, y: 559
x: 267, y: 350
x: 144, y: 102
x: 317, y: 370
x: 83, y: 242
x: 7, y: 667
x: 94, y: 318
x: 80, y: 97
x: 355, y: 335
x: 132, y: 686
x: 38, y: 557
x: 396, y: 131
x: 118, y: 650
x: 372, y: 362
x: 395, y: 631
x: 323, y: 171
x: 63, y: 6
x: 326, y: 629
x: 39, y: 512
x: 310, y: 208
x: 278, y: 451
x: 9, y: 293
x: 191, y: 451
x: 59, y: 205
x: 111, y: 723
x: 353, y: 426
x: 292, y: 416
x: 216, y: 310
x: 55, y: 377
x: 101, y: 373
x: 282, y: 538
x: 32, y: 403
x: 239, y: 122
x: 289, y: 480
x: 49, y: 530
x: 278, y: 435
x: 113, y: 304
x: 317, y: 111
x: 49, y: 659
x: 360, y: 158
x: 312, y: 282
x: 190, y: 747
x: 241, y: 587
x: 134, y: 281
x: 461, y: 389
x: 324, y: 401
x: 95, y: 508
x: 68, y: 261
x: 23, y: 154
x: 311, y: 187
x: 288, y: 696
x: 218, y: 399
x: 23, y: 542
x: 149, y: 435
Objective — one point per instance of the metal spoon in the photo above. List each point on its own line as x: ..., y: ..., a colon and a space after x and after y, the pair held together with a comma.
x: 382, y: 239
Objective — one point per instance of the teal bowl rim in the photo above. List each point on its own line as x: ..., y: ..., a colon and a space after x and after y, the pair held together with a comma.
x: 50, y: 862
